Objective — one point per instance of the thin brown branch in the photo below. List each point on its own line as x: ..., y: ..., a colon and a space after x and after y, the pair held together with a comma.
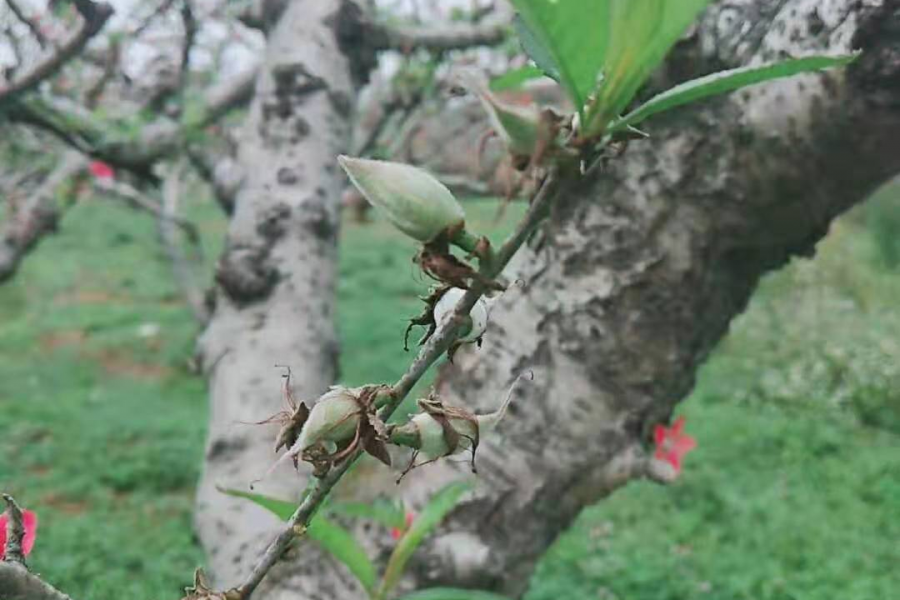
x: 141, y: 201
x: 30, y: 23
x: 14, y: 549
x: 94, y: 16
x: 28, y: 223
x: 182, y: 266
x: 436, y: 346
x: 450, y: 36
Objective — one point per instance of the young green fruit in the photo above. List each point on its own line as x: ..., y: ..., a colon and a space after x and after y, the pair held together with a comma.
x: 415, y: 202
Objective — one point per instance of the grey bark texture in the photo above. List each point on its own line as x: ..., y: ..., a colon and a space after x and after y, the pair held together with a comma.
x: 640, y: 272
x: 276, y: 279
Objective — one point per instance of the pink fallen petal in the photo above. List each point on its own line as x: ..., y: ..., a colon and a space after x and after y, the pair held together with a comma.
x: 29, y: 520
x: 101, y: 170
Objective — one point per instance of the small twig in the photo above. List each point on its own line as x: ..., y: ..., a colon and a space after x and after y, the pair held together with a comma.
x: 182, y: 267
x: 94, y: 16
x: 30, y: 23
x: 428, y: 355
x: 140, y: 201
x: 15, y: 532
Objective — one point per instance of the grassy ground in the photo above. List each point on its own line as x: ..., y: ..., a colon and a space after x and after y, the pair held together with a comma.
x: 794, y: 492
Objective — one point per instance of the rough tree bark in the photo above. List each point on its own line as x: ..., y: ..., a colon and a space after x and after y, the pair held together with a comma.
x: 642, y: 269
x: 646, y: 265
x: 276, y: 278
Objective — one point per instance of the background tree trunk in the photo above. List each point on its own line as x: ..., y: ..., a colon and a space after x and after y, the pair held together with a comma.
x: 641, y: 270
x: 277, y: 275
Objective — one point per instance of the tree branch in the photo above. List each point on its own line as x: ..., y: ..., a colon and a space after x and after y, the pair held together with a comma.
x: 182, y: 267
x: 94, y: 16
x: 428, y: 355
x: 38, y: 216
x: 452, y: 36
x: 16, y: 583
x: 30, y: 23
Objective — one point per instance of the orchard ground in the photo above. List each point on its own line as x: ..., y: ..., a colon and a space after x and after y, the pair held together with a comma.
x: 793, y: 492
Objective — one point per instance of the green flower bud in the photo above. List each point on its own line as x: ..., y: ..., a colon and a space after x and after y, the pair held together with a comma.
x: 517, y: 126
x: 333, y: 419
x: 479, y: 313
x: 415, y: 202
x: 441, y: 430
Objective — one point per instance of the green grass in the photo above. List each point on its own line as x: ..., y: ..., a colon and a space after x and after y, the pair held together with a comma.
x: 793, y: 493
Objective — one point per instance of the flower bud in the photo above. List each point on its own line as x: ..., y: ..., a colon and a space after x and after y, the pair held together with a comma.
x: 441, y: 430
x: 517, y: 126
x: 479, y: 313
x: 415, y: 202
x: 334, y: 418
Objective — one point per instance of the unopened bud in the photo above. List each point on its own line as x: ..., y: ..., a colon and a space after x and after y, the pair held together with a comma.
x: 441, y: 430
x: 333, y: 419
x: 415, y: 202
x: 517, y: 126
x: 479, y: 313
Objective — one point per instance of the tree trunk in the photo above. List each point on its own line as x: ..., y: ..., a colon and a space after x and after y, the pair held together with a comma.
x: 276, y: 297
x: 644, y: 267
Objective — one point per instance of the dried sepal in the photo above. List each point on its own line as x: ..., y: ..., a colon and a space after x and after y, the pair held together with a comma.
x: 415, y: 202
x: 426, y: 317
x: 436, y: 261
x: 444, y: 430
x: 201, y: 590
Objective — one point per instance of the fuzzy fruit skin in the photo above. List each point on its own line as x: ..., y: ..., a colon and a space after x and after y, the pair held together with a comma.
x: 415, y: 202
x: 334, y: 418
x: 479, y: 313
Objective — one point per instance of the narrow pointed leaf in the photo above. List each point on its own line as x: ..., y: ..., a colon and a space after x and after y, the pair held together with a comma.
x: 641, y: 33
x: 344, y: 547
x: 516, y: 78
x: 425, y: 522
x: 282, y: 509
x: 727, y: 81
x: 333, y: 538
x: 452, y: 594
x: 567, y: 39
x: 382, y: 511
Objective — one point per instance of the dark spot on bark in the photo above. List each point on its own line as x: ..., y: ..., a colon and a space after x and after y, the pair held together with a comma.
x: 301, y: 127
x: 287, y: 176
x: 317, y: 219
x: 244, y: 273
x: 224, y: 448
x: 815, y: 22
x: 357, y: 39
x: 272, y: 221
x: 341, y: 102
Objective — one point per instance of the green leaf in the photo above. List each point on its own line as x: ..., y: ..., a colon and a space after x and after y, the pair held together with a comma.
x: 344, y: 547
x: 280, y: 508
x: 641, y: 33
x: 426, y: 521
x: 727, y: 81
x: 515, y: 78
x: 452, y: 594
x: 383, y: 511
x: 536, y: 50
x: 567, y: 39
x: 333, y: 538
